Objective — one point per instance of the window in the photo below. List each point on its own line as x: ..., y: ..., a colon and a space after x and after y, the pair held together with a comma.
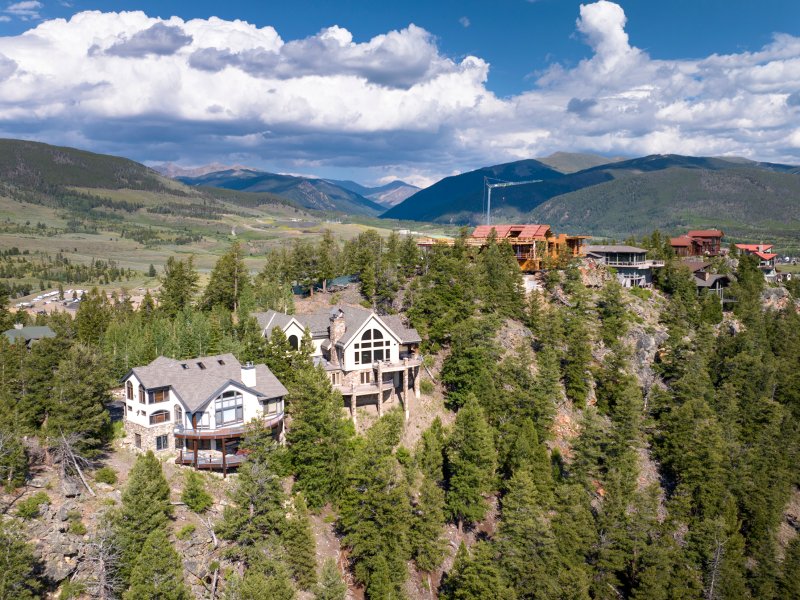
x: 178, y: 415
x: 137, y: 439
x: 366, y: 377
x: 272, y: 407
x: 335, y: 378
x: 162, y: 442
x: 160, y: 416
x: 202, y: 366
x: 372, y: 347
x: 294, y: 342
x: 179, y: 444
x: 161, y: 395
x: 229, y: 408
x: 129, y: 390
x: 141, y: 394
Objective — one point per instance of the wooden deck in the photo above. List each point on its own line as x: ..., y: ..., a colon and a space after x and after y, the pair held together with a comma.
x: 209, y: 460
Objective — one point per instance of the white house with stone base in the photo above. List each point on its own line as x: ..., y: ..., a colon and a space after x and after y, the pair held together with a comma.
x: 370, y: 359
x: 200, y: 407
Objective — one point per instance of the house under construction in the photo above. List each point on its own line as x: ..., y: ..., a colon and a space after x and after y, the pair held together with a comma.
x: 535, y: 246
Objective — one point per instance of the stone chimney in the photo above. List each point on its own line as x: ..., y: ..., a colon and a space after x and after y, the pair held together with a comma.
x: 335, y: 332
x: 18, y: 325
x: 249, y: 374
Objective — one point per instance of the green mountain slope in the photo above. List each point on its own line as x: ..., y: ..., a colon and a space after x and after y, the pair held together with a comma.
x: 33, y: 165
x: 745, y: 202
x: 460, y: 198
x: 572, y: 162
x: 317, y: 194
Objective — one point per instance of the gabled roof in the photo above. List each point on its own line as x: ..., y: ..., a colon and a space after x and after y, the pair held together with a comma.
x: 754, y: 247
x: 681, y: 240
x: 705, y: 233
x: 712, y: 279
x: 765, y: 255
x: 29, y: 333
x: 195, y: 386
x: 354, y: 320
x: 696, y: 265
x: 513, y: 231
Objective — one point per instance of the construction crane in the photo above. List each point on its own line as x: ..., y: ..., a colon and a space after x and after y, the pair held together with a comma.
x: 500, y: 184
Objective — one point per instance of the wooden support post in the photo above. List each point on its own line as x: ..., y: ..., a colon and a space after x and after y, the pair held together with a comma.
x: 353, y: 403
x: 416, y: 382
x: 380, y: 390
x: 405, y: 391
x: 195, y: 453
x: 224, y: 461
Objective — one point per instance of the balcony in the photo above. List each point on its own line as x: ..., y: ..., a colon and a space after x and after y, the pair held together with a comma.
x: 238, y: 430
x: 210, y: 460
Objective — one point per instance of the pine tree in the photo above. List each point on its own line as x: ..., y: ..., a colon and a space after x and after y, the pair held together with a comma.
x: 576, y: 361
x: 195, y: 495
x: 151, y: 271
x: 157, y: 571
x: 178, y: 285
x: 258, y: 585
x: 256, y: 514
x: 300, y: 545
x: 789, y: 587
x: 318, y: 440
x: 327, y: 258
x: 500, y: 279
x: 429, y: 454
x: 612, y: 312
x: 528, y: 454
x: 471, y: 461
x: 475, y: 577
x: 77, y: 400
x: 330, y: 586
x: 427, y: 544
x: 229, y: 280
x: 145, y: 508
x: 92, y: 317
x: 375, y: 512
x: 18, y: 565
x: 526, y: 543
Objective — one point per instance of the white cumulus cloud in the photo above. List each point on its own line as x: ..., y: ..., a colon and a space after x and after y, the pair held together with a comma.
x: 27, y: 9
x: 395, y: 105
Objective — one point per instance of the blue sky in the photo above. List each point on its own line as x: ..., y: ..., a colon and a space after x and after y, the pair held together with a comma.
x: 472, y: 83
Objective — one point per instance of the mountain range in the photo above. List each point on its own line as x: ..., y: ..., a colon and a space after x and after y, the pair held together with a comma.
x: 622, y: 197
x: 307, y: 192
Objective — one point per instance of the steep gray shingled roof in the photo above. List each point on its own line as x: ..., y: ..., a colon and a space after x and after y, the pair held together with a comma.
x: 271, y: 319
x: 29, y: 333
x: 407, y: 335
x: 354, y: 318
x: 196, y: 386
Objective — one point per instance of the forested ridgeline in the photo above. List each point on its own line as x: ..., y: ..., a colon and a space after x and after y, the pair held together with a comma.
x: 564, y: 472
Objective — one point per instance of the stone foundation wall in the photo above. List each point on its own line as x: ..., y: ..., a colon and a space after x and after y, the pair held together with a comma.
x: 149, y: 435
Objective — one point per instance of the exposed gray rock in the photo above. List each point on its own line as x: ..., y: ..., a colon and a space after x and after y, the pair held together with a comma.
x: 71, y: 489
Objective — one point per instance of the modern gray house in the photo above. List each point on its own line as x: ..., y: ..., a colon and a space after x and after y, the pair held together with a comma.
x: 630, y: 263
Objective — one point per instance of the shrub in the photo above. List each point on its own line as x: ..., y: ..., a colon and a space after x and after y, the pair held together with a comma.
x: 426, y: 387
x: 186, y: 532
x: 195, y: 495
x: 76, y: 525
x: 106, y: 475
x: 71, y: 589
x: 29, y: 508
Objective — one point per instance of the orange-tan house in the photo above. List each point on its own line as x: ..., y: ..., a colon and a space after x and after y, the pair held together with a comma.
x: 534, y: 245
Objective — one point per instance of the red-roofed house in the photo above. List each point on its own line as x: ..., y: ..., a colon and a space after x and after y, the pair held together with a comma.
x: 698, y: 242
x: 766, y: 259
x: 534, y: 245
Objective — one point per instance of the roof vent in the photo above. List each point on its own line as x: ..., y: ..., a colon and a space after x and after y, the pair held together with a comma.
x: 202, y: 366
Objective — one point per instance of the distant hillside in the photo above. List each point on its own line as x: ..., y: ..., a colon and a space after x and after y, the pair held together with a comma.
x: 572, y: 162
x: 85, y: 182
x: 172, y: 170
x: 459, y: 199
x: 391, y: 194
x: 32, y: 165
x: 316, y: 194
x: 746, y: 202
